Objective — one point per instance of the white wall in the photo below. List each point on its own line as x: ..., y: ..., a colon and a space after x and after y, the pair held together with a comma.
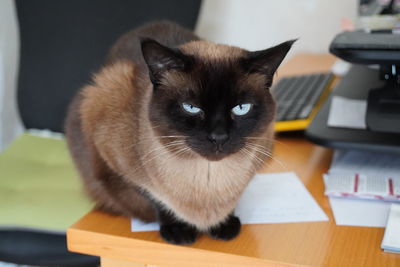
x: 258, y: 24
x: 10, y: 125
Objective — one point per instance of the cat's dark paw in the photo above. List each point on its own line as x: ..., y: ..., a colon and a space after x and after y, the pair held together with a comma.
x: 178, y: 233
x: 226, y: 230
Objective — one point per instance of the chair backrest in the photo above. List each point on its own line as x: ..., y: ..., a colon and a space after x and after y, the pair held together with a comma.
x: 63, y: 42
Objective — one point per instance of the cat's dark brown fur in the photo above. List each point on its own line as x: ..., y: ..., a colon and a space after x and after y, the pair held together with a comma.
x: 141, y: 155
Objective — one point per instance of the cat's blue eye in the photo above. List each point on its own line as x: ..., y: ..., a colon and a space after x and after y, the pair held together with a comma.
x: 241, y: 109
x: 191, y: 109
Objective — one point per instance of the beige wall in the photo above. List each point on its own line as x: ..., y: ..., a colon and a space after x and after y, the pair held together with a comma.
x: 258, y: 24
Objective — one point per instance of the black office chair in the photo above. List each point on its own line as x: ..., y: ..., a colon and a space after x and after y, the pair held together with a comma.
x: 62, y: 43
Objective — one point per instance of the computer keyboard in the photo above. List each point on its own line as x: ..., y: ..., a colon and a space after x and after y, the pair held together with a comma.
x: 298, y: 98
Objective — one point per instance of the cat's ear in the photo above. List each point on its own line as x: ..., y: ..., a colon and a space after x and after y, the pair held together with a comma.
x: 267, y: 61
x: 160, y: 58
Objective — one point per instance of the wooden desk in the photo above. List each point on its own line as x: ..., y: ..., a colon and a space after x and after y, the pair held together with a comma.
x: 310, y: 244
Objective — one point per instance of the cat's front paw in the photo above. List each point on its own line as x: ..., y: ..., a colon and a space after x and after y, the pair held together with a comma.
x: 178, y: 233
x: 226, y: 230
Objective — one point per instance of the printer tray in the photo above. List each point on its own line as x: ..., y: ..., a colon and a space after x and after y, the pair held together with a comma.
x: 367, y: 48
x: 356, y: 84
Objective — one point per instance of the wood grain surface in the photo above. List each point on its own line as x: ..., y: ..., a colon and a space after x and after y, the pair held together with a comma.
x: 291, y: 244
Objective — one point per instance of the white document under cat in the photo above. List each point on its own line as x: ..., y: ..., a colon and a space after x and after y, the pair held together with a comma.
x: 269, y: 198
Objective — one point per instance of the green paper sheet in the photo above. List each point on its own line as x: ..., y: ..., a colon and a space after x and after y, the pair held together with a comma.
x: 39, y: 186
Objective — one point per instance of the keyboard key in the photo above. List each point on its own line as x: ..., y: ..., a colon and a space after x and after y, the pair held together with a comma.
x: 296, y: 96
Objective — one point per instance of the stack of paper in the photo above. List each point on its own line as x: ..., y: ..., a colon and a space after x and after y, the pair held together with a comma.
x: 269, y: 198
x: 363, y: 186
x: 363, y: 175
x: 391, y: 239
x: 365, y: 162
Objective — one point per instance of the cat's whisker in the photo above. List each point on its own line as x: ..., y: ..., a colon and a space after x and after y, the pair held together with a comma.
x: 254, y: 168
x: 158, y: 149
x: 143, y: 139
x: 284, y: 145
x: 174, y: 153
x: 260, y: 138
x: 162, y: 137
x: 261, y: 151
x: 248, y: 152
x: 255, y: 156
x: 263, y: 148
x: 182, y: 151
x: 156, y: 126
x: 288, y: 148
x: 266, y: 139
x: 268, y: 154
x: 158, y: 155
x: 170, y: 144
x: 260, y: 146
x: 171, y: 136
x: 146, y: 159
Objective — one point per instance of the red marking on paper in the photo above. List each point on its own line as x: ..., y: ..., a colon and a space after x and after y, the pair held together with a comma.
x: 357, y: 180
x: 391, y: 187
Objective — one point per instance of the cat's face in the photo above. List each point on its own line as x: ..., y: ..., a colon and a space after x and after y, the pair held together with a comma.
x: 211, y: 98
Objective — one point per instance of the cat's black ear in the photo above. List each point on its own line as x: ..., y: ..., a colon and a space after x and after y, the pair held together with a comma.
x: 267, y: 61
x: 160, y: 58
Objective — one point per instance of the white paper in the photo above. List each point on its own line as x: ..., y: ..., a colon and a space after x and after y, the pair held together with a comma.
x: 391, y: 239
x: 269, y: 198
x: 362, y: 186
x: 139, y: 226
x: 347, y: 113
x: 360, y: 212
x: 278, y: 198
x: 366, y: 163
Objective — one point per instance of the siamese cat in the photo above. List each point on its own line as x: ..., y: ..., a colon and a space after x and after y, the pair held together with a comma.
x: 172, y: 128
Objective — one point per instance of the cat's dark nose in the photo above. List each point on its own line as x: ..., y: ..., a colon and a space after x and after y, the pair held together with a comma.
x: 218, y: 137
